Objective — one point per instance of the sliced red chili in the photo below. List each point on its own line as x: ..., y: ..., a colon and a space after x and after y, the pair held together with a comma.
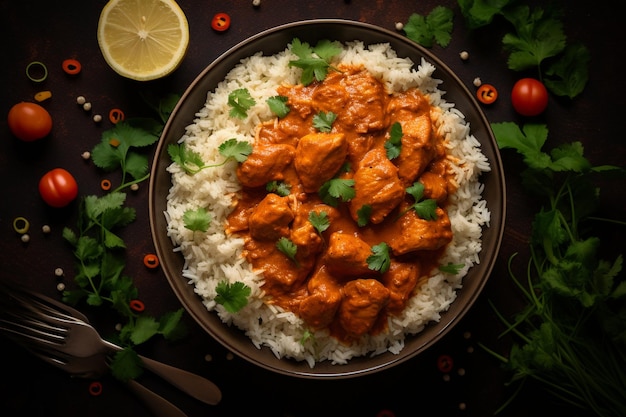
x: 105, y: 184
x: 445, y: 363
x: 116, y: 116
x: 137, y: 305
x: 71, y: 66
x: 486, y: 94
x: 95, y: 388
x: 220, y: 22
x: 151, y: 260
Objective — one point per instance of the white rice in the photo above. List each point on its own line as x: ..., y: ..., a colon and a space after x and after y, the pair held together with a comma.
x: 213, y: 257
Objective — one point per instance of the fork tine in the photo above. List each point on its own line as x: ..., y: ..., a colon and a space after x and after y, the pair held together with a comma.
x: 34, y: 330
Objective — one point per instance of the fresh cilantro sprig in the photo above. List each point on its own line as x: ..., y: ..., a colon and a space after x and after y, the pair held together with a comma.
x: 337, y: 189
x: 393, y: 145
x: 314, y: 61
x: 240, y: 101
x: 571, y: 333
x: 197, y: 220
x: 278, y: 187
x: 380, y: 259
x: 191, y: 161
x: 233, y: 296
x: 425, y: 209
x: 288, y: 248
x: 323, y: 121
x: 434, y: 27
x: 278, y: 105
x: 363, y: 215
x: 98, y: 246
x: 451, y: 268
x: 319, y: 220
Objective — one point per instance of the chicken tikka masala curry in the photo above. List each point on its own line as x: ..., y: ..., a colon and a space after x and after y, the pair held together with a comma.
x: 329, y: 281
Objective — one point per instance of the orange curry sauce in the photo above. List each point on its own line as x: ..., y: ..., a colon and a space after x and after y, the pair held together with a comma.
x: 330, y: 285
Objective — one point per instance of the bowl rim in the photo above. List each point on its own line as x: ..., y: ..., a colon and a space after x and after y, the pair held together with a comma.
x: 183, y: 290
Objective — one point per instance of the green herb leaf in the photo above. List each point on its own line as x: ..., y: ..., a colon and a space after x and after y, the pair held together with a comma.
x: 320, y: 221
x: 233, y: 296
x: 191, y: 161
x: 288, y: 248
x: 240, y: 102
x: 197, y: 220
x: 380, y: 259
x: 451, y: 268
x: 337, y: 189
x: 393, y: 145
x: 363, y: 215
x: 435, y: 27
x: 237, y: 150
x: 314, y: 62
x: 425, y: 209
x: 479, y: 13
x: 568, y: 75
x: 278, y: 105
x: 324, y: 121
x: 278, y: 187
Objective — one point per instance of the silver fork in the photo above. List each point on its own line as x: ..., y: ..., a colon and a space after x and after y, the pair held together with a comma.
x: 96, y: 366
x: 50, y: 323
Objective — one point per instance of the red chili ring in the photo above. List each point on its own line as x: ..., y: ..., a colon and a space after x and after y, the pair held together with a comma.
x: 95, y: 388
x: 220, y: 22
x: 445, y: 363
x: 71, y: 66
x: 105, y: 184
x: 487, y: 93
x: 116, y: 116
x: 137, y: 305
x: 151, y: 260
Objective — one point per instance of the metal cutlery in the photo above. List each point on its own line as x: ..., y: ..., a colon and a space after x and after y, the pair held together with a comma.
x: 36, y: 320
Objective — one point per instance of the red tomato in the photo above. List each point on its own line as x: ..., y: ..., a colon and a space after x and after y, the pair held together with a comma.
x: 29, y: 121
x: 58, y: 187
x: 529, y: 97
x: 220, y: 22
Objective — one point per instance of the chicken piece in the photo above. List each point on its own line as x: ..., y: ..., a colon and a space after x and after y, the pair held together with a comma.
x: 346, y: 255
x: 266, y: 163
x: 319, y: 308
x: 318, y: 158
x: 271, y: 218
x: 376, y: 185
x: 363, y: 300
x: 278, y: 270
x: 411, y: 110
x: 411, y: 233
x: 435, y: 187
x: 367, y: 113
x: 400, y: 280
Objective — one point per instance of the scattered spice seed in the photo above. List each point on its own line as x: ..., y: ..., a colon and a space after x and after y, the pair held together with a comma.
x: 464, y: 55
x: 97, y: 118
x: 151, y: 261
x: 80, y: 100
x: 25, y: 238
x: 256, y: 3
x: 87, y: 106
x: 21, y: 225
x: 58, y: 272
x: 137, y: 305
x: 399, y: 26
x: 95, y: 388
x: 86, y: 155
x: 60, y: 286
x: 36, y: 66
x: 116, y: 116
x: 134, y: 187
x: 477, y: 82
x: 71, y: 66
x: 105, y: 184
x: 45, y: 228
x: 43, y: 95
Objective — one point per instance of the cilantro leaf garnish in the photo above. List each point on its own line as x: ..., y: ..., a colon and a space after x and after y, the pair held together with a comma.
x: 197, y: 220
x: 569, y: 75
x: 451, y: 268
x: 393, y: 145
x: 278, y: 105
x: 337, y: 189
x: 324, y: 121
x: 233, y: 296
x: 315, y: 61
x: 363, y: 215
x: 278, y: 187
x: 191, y: 161
x: 319, y: 221
x: 435, y: 27
x: 380, y: 259
x: 288, y: 248
x: 425, y: 209
x: 478, y: 13
x: 240, y: 102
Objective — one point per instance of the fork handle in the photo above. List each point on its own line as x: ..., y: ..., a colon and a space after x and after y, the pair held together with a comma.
x: 159, y: 406
x: 196, y: 386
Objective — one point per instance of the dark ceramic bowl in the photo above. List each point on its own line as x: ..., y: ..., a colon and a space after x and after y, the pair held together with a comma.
x: 273, y: 41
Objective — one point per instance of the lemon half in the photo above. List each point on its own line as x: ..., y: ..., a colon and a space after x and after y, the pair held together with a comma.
x: 143, y: 39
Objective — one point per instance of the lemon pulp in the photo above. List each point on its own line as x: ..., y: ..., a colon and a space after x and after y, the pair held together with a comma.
x: 143, y: 39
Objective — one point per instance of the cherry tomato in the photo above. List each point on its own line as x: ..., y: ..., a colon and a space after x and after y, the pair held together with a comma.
x: 58, y: 187
x: 220, y: 22
x: 29, y: 121
x: 529, y: 97
x: 486, y: 93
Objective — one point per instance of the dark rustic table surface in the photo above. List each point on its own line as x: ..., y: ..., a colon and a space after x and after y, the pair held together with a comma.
x: 50, y: 32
